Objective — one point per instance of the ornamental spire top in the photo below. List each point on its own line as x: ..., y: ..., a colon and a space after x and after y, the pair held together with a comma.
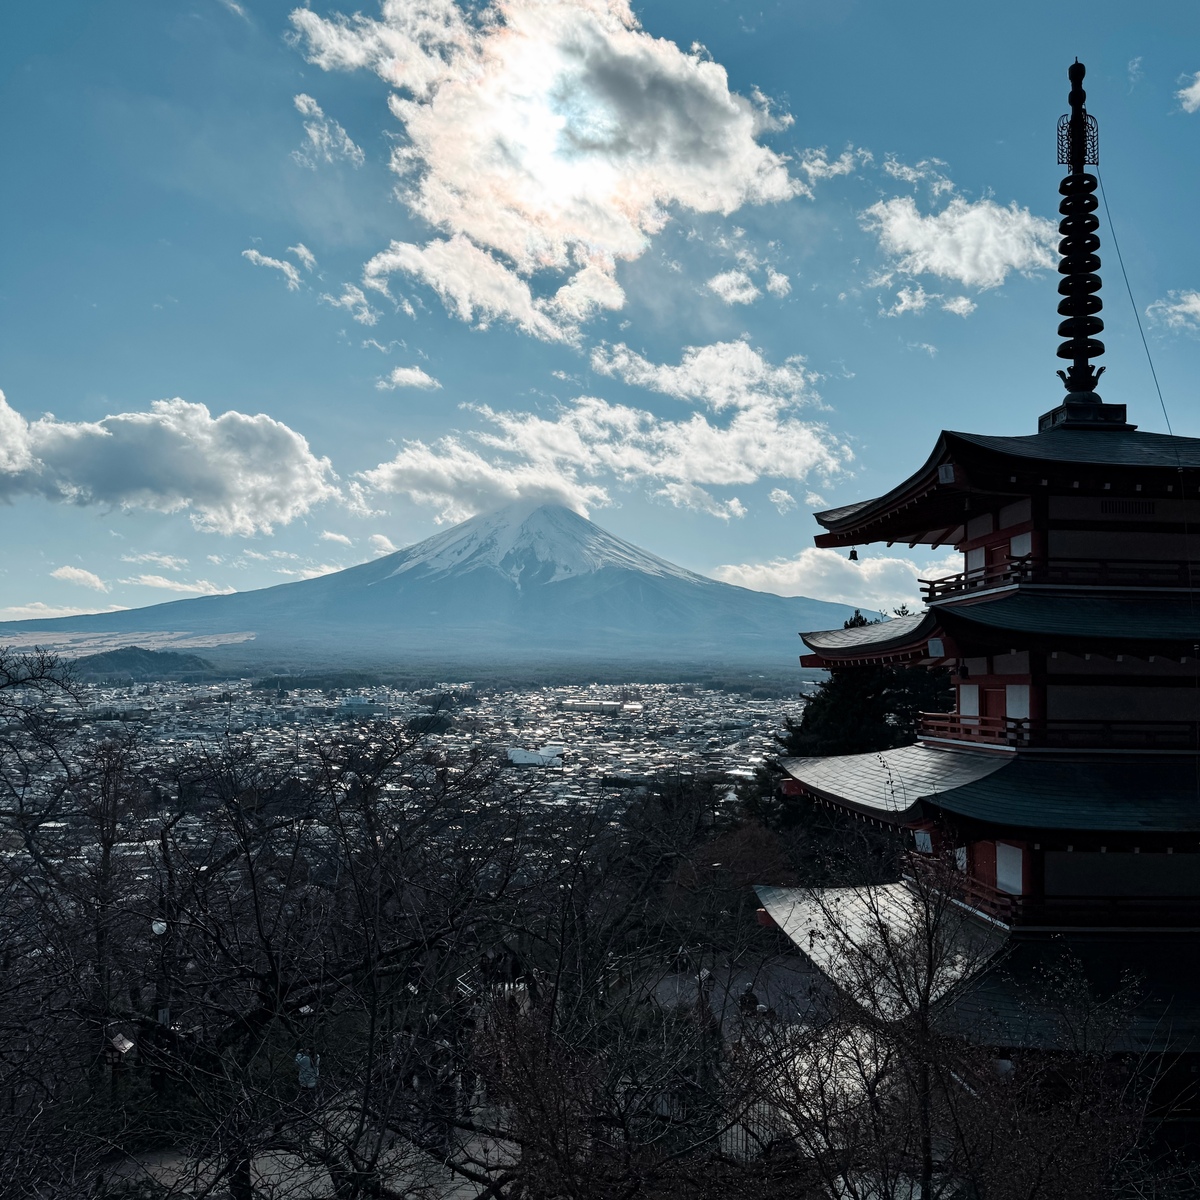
x: 1079, y: 147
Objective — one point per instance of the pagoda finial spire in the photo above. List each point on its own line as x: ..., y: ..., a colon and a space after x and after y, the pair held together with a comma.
x: 1078, y: 147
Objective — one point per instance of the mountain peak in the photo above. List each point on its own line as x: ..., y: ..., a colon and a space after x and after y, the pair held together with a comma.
x: 528, y: 542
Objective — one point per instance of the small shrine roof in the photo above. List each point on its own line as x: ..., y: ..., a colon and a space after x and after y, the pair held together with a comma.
x: 1171, y: 620
x: 1130, y: 794
x: 881, y: 635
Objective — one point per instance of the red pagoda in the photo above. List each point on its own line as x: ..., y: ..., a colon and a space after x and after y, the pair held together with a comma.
x: 1066, y: 782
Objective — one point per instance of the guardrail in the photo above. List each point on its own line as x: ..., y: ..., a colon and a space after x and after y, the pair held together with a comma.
x: 1066, y: 572
x: 1062, y: 734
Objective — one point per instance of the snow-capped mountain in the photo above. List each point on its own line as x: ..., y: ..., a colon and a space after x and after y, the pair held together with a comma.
x: 532, y: 544
x: 525, y: 585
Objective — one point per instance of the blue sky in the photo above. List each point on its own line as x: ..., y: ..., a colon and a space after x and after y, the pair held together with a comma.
x: 282, y: 288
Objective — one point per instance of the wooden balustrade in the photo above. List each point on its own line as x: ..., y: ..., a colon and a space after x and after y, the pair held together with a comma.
x: 1062, y: 734
x: 1065, y: 572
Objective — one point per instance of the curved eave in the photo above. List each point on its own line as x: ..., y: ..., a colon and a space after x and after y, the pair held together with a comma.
x: 902, y: 786
x: 900, y: 640
x: 849, y: 524
x: 1022, y: 620
x: 926, y: 508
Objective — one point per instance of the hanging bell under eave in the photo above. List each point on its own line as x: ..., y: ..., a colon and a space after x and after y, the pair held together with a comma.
x: 854, y: 555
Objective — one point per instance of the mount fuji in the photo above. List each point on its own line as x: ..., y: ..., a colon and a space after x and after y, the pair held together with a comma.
x: 528, y: 585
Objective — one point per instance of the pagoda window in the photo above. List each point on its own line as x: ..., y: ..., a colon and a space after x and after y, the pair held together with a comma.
x: 1016, y: 514
x: 1020, y: 546
x: 1010, y: 869
x: 993, y: 702
x: 968, y: 699
x: 980, y: 526
x: 976, y: 559
x: 1016, y: 701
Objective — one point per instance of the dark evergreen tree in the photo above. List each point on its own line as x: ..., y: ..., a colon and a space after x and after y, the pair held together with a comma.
x: 861, y: 709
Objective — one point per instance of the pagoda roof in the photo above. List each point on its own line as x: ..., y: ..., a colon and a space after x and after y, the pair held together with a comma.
x: 1172, y: 621
x: 929, y: 506
x: 1143, y: 794
x: 992, y: 989
x: 1006, y: 1004
x: 877, y: 637
x: 1107, y: 447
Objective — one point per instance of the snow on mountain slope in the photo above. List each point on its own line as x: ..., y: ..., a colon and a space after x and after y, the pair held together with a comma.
x: 545, y: 543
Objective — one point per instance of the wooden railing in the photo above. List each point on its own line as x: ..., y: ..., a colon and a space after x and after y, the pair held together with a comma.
x: 1084, y: 911
x: 1062, y: 734
x: 1089, y: 572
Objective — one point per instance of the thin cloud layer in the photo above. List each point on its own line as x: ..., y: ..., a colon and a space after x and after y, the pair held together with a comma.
x: 550, y: 138
x: 408, y: 377
x: 39, y: 610
x: 878, y: 581
x: 575, y: 454
x: 354, y: 300
x: 198, y: 587
x: 1189, y: 95
x: 1180, y: 310
x: 721, y: 375
x: 461, y: 482
x: 324, y: 139
x: 976, y: 244
x: 286, y: 269
x: 78, y: 575
x: 734, y: 287
x: 233, y: 473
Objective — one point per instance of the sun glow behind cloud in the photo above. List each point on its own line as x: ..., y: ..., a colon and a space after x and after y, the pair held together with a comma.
x: 548, y: 139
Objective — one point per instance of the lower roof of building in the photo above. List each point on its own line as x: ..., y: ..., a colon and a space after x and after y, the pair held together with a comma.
x: 1135, y: 794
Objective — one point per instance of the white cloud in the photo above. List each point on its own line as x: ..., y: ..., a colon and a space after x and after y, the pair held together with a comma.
x: 959, y: 305
x: 783, y: 500
x: 1189, y: 95
x: 976, y: 244
x: 353, y: 299
x: 924, y: 172
x: 81, y: 577
x: 722, y: 375
x: 306, y: 257
x: 1181, y: 310
x: 816, y: 165
x: 573, y: 454
x: 909, y: 300
x: 328, y: 535
x: 777, y: 282
x: 550, y: 137
x: 289, y: 272
x: 1135, y: 72
x: 200, y: 587
x: 734, y: 287
x: 234, y: 7
x: 382, y: 544
x: 309, y: 572
x: 408, y: 377
x: 875, y: 582
x: 326, y: 140
x: 926, y: 347
x: 168, y: 562
x: 461, y: 482
x: 471, y: 283
x: 234, y: 473
x: 39, y: 611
